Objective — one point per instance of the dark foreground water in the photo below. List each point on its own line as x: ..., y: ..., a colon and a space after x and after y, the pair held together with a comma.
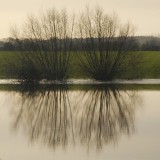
x: 86, y: 122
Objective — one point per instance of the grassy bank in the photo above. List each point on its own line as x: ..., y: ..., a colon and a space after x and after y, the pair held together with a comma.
x: 149, y: 66
x: 78, y: 87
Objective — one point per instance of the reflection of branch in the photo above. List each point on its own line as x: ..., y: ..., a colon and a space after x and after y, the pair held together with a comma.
x: 104, y: 115
x: 47, y: 116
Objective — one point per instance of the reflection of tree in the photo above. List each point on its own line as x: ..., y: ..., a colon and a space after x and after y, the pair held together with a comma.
x: 101, y: 116
x: 46, y: 115
x: 105, y: 114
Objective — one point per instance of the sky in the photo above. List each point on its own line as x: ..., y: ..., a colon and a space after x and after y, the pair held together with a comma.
x: 143, y: 14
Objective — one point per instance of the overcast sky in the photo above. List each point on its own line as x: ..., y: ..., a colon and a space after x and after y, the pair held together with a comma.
x: 144, y: 14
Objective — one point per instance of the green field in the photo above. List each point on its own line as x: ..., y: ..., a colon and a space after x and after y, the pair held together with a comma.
x: 149, y: 66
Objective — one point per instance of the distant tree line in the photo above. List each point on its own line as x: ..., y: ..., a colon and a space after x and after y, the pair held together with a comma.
x: 141, y: 43
x: 7, y: 45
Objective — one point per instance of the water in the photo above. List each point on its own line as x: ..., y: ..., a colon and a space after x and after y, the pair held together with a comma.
x: 89, y: 81
x: 80, y: 122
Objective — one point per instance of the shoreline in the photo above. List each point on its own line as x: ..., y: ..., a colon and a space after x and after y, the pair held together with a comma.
x: 86, y: 81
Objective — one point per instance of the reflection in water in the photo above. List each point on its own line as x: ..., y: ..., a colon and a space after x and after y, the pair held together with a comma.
x: 105, y: 113
x: 46, y: 115
x: 54, y: 117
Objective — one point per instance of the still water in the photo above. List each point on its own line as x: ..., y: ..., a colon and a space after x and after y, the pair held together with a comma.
x: 80, y: 122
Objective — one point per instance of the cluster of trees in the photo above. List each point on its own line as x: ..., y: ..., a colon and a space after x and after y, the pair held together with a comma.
x: 102, y: 44
x: 140, y: 43
x: 152, y: 44
x: 7, y: 44
x: 147, y: 43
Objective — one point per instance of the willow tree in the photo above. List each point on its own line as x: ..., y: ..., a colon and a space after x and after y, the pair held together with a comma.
x: 45, y: 44
x: 105, y: 42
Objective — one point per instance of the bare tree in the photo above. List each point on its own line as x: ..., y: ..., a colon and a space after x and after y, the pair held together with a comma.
x: 46, y: 42
x: 105, y: 42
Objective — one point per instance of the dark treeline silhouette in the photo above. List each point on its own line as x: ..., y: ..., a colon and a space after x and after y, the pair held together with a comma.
x: 141, y: 43
x: 7, y: 44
